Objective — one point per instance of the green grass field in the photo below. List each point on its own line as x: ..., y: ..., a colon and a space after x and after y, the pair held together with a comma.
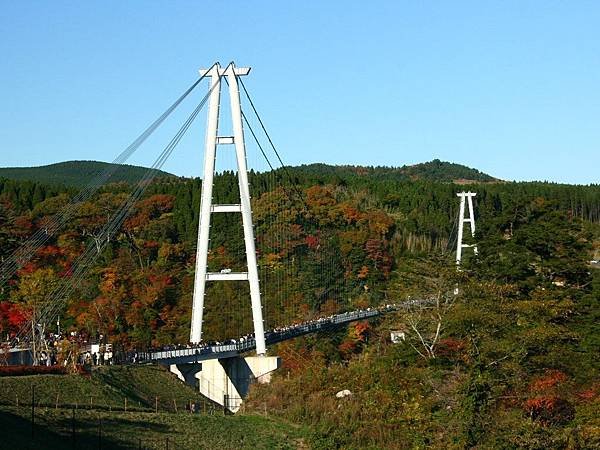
x: 93, y: 429
x: 94, y: 407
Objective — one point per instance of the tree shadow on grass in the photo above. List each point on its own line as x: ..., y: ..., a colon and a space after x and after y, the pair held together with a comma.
x: 57, y: 435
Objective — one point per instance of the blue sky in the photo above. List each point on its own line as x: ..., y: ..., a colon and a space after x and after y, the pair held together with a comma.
x: 509, y: 87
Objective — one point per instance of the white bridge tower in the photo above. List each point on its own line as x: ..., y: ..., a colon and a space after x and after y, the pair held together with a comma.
x: 468, y: 198
x: 216, y: 74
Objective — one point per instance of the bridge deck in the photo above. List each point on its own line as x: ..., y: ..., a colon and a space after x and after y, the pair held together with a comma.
x: 220, y: 351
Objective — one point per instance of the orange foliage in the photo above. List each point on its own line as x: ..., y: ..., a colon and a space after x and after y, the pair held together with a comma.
x: 591, y: 393
x: 347, y: 348
x: 148, y: 209
x: 351, y: 214
x: 272, y: 260
x: 317, y: 196
x: 23, y: 226
x: 549, y: 409
x: 379, y: 222
x: 296, y: 360
x: 361, y: 331
x: 12, y: 315
x: 548, y: 381
x: 363, y: 273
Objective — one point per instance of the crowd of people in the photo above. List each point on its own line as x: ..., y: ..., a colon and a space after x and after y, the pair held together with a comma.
x: 97, y: 352
x: 247, y: 341
x: 62, y: 347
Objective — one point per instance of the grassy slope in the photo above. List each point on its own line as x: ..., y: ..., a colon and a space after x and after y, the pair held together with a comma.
x: 105, y: 388
x: 108, y: 388
x: 122, y: 430
x: 75, y: 173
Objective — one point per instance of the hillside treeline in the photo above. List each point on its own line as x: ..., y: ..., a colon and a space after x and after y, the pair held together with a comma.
x: 509, y: 362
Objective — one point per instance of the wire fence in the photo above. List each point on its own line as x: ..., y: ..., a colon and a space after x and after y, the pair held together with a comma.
x: 43, y: 424
x: 78, y: 433
x: 48, y: 400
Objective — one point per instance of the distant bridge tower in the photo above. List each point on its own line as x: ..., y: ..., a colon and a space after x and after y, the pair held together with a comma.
x: 216, y: 75
x: 465, y: 197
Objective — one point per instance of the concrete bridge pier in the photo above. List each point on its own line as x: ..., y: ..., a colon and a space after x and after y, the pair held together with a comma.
x: 227, y: 381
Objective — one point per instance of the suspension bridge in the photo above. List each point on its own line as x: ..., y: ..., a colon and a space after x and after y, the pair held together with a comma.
x: 222, y: 370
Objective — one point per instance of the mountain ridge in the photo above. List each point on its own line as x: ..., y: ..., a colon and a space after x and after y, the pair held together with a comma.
x: 435, y: 170
x: 78, y: 173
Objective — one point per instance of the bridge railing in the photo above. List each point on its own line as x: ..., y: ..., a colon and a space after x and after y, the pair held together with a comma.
x: 246, y: 344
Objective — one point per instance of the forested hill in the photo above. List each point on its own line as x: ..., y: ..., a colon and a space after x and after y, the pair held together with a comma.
x: 76, y: 173
x: 435, y: 170
x: 80, y: 173
x: 509, y: 362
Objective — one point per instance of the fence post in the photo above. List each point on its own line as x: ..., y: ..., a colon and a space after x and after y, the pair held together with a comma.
x: 175, y: 404
x: 100, y: 434
x: 156, y: 404
x: 32, y: 410
x: 125, y: 404
x: 56, y: 401
x: 73, y: 428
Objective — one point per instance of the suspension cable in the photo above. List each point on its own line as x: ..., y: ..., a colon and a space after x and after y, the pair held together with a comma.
x: 29, y: 248
x: 284, y: 167
x: 94, y: 248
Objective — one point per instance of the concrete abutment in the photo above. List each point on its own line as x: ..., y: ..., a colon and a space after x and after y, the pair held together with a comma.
x: 227, y: 381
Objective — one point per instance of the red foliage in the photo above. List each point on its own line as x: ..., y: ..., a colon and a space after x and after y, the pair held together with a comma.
x: 347, y: 348
x: 15, y: 371
x: 293, y: 359
x: 160, y: 279
x: 361, y: 330
x: 548, y: 381
x: 49, y: 252
x: 549, y: 410
x: 450, y: 347
x: 23, y: 225
x: 148, y: 209
x: 12, y: 315
x: 312, y: 241
x: 30, y: 267
x: 68, y: 272
x: 590, y: 394
x: 377, y: 252
x: 351, y: 214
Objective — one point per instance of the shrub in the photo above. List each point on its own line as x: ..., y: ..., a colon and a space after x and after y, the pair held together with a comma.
x: 550, y: 410
x: 14, y: 371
